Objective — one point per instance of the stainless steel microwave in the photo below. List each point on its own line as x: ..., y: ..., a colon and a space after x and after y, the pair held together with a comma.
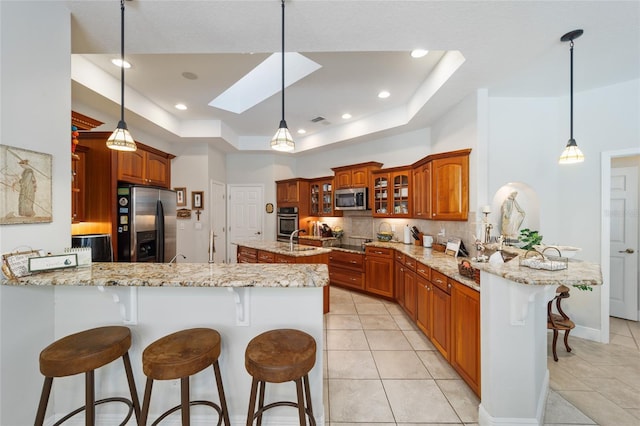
x: 351, y: 199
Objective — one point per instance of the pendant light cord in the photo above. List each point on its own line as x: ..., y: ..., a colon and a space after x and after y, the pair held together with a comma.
x: 122, y: 60
x: 282, y: 60
x: 571, y: 89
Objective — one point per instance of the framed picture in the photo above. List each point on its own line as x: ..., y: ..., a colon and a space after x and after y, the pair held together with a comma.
x: 197, y: 200
x: 181, y: 196
x: 25, y: 186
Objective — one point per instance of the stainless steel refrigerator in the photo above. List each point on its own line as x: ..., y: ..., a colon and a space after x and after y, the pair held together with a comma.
x: 146, y: 224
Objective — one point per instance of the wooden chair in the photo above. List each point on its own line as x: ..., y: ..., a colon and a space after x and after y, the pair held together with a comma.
x: 560, y: 321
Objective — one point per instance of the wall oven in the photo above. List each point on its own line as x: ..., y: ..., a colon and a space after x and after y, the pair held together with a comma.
x: 287, y: 222
x: 351, y: 199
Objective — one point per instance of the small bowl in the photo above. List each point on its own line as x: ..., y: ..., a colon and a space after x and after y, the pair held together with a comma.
x: 385, y: 237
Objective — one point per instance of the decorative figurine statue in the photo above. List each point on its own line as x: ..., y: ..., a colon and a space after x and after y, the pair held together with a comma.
x: 512, y: 216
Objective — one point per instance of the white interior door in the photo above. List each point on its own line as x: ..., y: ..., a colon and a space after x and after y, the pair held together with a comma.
x: 624, y: 243
x: 245, y: 219
x: 218, y: 206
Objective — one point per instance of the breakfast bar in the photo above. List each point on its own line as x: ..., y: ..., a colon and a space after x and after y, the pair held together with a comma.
x: 153, y: 300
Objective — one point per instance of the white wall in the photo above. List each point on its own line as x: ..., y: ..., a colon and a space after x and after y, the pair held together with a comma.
x: 34, y: 114
x: 526, y: 137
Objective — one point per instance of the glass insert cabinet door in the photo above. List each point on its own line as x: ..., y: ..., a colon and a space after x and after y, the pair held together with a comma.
x: 381, y: 195
x: 315, y: 199
x: 401, y: 194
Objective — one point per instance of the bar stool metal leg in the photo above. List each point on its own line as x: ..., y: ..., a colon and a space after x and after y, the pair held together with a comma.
x: 301, y: 414
x: 90, y: 399
x: 44, y: 400
x: 184, y: 399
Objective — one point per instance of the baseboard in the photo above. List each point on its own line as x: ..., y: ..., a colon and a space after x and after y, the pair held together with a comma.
x: 587, y: 333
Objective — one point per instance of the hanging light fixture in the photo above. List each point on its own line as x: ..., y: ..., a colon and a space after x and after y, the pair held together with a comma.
x: 121, y: 139
x: 282, y: 140
x: 571, y: 153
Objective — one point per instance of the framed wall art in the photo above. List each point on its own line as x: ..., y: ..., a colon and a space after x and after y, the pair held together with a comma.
x: 181, y: 196
x: 197, y: 200
x: 25, y: 186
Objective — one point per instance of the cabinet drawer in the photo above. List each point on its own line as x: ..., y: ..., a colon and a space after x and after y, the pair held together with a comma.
x: 346, y: 277
x: 423, y: 270
x: 378, y: 251
x: 399, y: 257
x: 266, y: 256
x: 440, y: 280
x: 283, y: 258
x: 247, y: 252
x: 410, y: 263
x: 346, y: 260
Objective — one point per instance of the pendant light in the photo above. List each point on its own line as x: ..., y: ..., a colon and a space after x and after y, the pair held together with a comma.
x: 121, y: 139
x: 571, y: 153
x: 282, y: 140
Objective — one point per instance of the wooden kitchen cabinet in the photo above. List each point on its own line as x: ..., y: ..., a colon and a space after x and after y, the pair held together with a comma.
x: 78, y: 184
x: 347, y: 269
x: 321, y: 197
x: 354, y: 176
x: 293, y: 193
x: 465, y: 331
x: 398, y: 281
x: 266, y: 256
x: 441, y: 313
x: 379, y: 271
x: 391, y: 192
x: 450, y: 186
x: 423, y: 304
x: 421, y: 183
x: 145, y: 166
x: 247, y: 255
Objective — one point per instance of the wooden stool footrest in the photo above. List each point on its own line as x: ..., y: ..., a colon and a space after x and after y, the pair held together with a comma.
x: 125, y: 401
x: 191, y: 404
x: 312, y: 420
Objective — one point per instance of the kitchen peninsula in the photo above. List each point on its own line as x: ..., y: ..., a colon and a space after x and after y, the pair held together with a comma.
x: 240, y: 301
x: 467, y: 321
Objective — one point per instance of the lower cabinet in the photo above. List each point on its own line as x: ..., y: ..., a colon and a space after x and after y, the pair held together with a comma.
x: 423, y: 305
x: 346, y: 269
x: 410, y: 292
x: 379, y: 271
x: 441, y: 321
x: 247, y: 255
x: 465, y: 324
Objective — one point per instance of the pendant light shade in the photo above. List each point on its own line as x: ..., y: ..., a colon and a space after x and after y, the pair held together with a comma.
x: 282, y: 140
x: 571, y: 153
x: 121, y: 139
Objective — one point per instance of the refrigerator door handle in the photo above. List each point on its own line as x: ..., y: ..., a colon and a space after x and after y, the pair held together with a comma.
x: 159, y: 232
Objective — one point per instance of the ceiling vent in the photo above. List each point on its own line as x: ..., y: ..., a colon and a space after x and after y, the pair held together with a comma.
x: 318, y: 119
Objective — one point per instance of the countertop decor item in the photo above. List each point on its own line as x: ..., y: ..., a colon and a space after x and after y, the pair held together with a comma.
x: 571, y: 153
x: 536, y: 260
x: 121, y: 139
x: 384, y: 232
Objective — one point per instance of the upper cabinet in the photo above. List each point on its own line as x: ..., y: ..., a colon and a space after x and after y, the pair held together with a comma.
x: 392, y: 192
x: 293, y: 193
x: 354, y: 176
x: 441, y: 186
x: 321, y: 197
x: 146, y: 166
x: 450, y: 186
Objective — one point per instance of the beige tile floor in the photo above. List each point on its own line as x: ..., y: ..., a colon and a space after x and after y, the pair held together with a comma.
x: 381, y: 370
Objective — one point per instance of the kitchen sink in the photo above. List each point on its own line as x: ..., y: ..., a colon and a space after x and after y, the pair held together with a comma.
x: 303, y: 248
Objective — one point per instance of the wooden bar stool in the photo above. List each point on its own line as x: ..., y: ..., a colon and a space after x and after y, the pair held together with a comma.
x: 178, y: 356
x: 559, y: 321
x: 279, y: 356
x: 84, y: 352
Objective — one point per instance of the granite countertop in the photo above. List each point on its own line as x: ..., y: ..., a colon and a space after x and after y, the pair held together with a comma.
x: 577, y: 273
x: 183, y: 275
x: 283, y: 248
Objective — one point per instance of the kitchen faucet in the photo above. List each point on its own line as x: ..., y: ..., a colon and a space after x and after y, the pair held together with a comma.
x: 174, y: 257
x: 293, y: 234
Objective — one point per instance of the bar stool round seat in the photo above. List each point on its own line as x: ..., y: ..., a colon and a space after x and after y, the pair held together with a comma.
x: 178, y: 356
x: 84, y: 352
x: 279, y: 356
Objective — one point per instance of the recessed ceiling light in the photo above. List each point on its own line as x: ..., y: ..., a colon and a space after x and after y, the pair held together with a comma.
x: 346, y: 116
x: 189, y: 75
x: 301, y: 131
x: 384, y: 94
x: 419, y: 53
x: 181, y: 107
x: 119, y: 63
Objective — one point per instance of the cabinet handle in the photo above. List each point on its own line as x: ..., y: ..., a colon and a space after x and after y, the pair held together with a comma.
x: 448, y: 285
x: 421, y: 270
x: 439, y: 281
x: 353, y: 261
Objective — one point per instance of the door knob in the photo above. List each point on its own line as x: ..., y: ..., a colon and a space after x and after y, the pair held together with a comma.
x: 629, y: 250
x: 258, y: 233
